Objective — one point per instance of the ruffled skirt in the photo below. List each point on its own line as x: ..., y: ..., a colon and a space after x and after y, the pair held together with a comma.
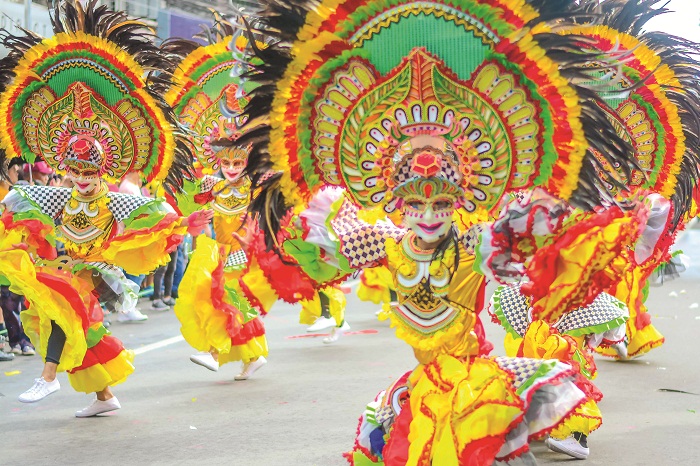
x: 213, y: 310
x: 468, y: 413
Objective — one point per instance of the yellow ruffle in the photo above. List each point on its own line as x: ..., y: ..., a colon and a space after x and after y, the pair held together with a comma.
x: 202, y: 325
x: 143, y: 252
x: 585, y: 419
x: 455, y: 403
x: 644, y: 340
x: 257, y: 285
x: 45, y: 305
x: 375, y: 285
x: 512, y: 345
x: 311, y: 308
x: 248, y: 352
x: 100, y: 376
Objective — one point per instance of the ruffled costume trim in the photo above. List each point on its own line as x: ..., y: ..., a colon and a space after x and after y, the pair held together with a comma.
x: 470, y: 413
x: 145, y: 248
x: 93, y: 359
x: 214, y: 313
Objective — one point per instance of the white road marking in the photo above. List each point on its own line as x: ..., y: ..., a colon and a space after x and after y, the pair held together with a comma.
x: 179, y: 338
x: 159, y: 344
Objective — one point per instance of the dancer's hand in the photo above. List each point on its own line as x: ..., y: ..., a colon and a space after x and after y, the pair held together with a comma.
x: 198, y: 221
x: 249, y: 227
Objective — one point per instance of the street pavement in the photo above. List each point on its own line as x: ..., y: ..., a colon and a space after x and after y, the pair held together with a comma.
x: 302, y: 407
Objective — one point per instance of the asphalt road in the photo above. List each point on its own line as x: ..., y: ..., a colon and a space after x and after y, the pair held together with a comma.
x: 302, y: 407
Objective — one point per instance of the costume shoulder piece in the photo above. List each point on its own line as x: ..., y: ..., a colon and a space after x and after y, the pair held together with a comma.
x: 206, y: 96
x: 349, y: 83
x: 513, y: 310
x: 49, y: 200
x: 90, y: 92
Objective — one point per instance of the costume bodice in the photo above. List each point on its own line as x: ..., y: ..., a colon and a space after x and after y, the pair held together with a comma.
x: 230, y: 205
x: 86, y: 223
x: 436, y: 299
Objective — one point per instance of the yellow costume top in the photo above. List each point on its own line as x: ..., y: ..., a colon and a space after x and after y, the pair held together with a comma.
x: 435, y: 314
x: 230, y: 204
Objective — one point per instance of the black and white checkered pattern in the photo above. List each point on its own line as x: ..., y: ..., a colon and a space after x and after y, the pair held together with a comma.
x: 521, y: 368
x: 604, y: 308
x: 362, y: 243
x: 51, y: 200
x: 122, y: 205
x: 208, y: 183
x: 236, y: 259
x: 515, y: 307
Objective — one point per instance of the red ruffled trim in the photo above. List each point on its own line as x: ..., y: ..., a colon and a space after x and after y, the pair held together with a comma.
x: 252, y: 299
x: 289, y: 281
x: 204, y: 198
x: 234, y: 317
x: 543, y: 270
x: 588, y: 388
x: 104, y: 351
x: 395, y: 451
x: 250, y: 330
x: 37, y: 232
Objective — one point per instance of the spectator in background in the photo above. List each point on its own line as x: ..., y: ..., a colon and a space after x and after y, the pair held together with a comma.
x: 11, y: 305
x: 14, y: 175
x: 39, y: 174
x: 131, y: 184
x: 3, y: 339
x: 11, y: 335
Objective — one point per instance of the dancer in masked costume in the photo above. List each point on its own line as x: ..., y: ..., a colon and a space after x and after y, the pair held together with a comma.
x: 371, y: 98
x: 82, y: 101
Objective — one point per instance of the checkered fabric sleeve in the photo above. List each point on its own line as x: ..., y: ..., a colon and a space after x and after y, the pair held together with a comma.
x: 236, y: 259
x: 604, y: 313
x: 361, y: 243
x: 208, y: 183
x: 122, y: 205
x: 49, y: 199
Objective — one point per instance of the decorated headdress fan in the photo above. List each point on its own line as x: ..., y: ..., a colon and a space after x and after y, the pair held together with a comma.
x: 655, y: 100
x: 353, y: 90
x: 205, y: 96
x: 86, y: 98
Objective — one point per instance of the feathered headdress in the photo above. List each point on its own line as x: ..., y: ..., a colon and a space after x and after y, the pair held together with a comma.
x: 91, y: 95
x: 206, y: 95
x: 653, y: 98
x: 346, y: 84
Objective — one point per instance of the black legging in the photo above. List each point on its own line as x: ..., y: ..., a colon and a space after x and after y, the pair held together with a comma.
x: 165, y: 273
x: 57, y: 341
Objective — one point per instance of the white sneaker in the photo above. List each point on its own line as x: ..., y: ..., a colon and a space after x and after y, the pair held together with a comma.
x: 322, y: 323
x: 336, y: 333
x: 99, y: 407
x: 569, y: 446
x: 205, y: 360
x: 40, y: 390
x: 133, y: 315
x: 250, y: 368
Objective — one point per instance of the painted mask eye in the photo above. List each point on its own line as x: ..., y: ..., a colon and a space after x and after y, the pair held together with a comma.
x: 442, y: 205
x: 416, y: 205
